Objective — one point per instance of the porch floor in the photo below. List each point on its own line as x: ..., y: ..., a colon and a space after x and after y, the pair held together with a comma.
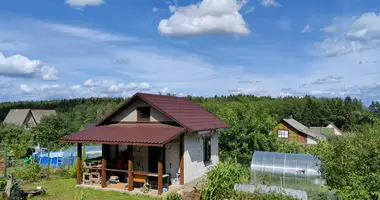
x: 120, y: 187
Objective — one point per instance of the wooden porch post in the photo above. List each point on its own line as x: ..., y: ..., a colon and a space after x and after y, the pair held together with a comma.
x: 160, y: 171
x: 105, y: 152
x: 182, y: 161
x: 130, y: 168
x: 79, y: 163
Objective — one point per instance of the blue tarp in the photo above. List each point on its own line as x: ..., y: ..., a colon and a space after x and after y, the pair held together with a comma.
x: 66, y: 158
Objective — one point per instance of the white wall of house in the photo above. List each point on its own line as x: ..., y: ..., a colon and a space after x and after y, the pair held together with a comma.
x: 140, y: 158
x: 193, y: 155
x: 29, y: 120
x: 336, y: 131
x: 172, y: 160
x: 130, y: 113
x: 310, y: 140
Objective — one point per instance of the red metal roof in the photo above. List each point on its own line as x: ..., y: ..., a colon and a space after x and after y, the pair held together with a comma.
x: 142, y: 134
x: 181, y: 110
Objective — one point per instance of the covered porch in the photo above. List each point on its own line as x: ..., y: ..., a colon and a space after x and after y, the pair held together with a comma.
x: 133, y: 156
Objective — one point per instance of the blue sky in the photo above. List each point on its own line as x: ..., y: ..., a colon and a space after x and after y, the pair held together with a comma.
x: 53, y: 49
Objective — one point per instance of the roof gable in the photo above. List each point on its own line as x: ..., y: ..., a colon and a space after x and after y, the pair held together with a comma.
x: 16, y: 116
x: 181, y: 110
x: 302, y: 128
x: 39, y: 114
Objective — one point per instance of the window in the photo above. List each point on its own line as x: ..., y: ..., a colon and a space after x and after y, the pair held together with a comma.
x: 207, y: 149
x: 283, y: 133
x: 143, y: 114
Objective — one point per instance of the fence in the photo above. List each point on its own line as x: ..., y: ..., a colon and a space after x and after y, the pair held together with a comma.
x: 9, y: 163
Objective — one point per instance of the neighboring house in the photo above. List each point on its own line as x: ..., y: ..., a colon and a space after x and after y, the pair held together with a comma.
x: 337, y: 131
x: 154, y: 136
x: 290, y: 129
x: 26, y: 117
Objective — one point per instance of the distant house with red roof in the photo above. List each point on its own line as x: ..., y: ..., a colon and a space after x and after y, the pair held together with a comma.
x: 165, y: 140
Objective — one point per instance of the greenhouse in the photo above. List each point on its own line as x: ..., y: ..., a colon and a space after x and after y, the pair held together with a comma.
x: 287, y: 170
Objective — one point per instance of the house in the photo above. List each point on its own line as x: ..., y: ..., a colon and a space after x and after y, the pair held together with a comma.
x: 26, y: 117
x: 291, y: 129
x: 337, y: 131
x: 164, y: 139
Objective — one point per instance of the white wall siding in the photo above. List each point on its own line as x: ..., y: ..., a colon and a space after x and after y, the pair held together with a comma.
x: 172, y: 160
x: 130, y: 113
x: 193, y: 156
x: 310, y: 140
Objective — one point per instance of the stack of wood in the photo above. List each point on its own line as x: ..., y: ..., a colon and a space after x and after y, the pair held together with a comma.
x: 2, y: 165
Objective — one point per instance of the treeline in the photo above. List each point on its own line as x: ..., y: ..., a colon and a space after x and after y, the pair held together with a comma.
x: 346, y: 113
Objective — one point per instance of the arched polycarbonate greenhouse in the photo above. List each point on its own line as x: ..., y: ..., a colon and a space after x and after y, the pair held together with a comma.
x: 287, y: 170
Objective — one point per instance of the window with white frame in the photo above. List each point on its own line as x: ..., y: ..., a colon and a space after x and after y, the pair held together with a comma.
x: 283, y: 133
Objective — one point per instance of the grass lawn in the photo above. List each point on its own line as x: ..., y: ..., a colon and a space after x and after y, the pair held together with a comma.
x: 64, y: 189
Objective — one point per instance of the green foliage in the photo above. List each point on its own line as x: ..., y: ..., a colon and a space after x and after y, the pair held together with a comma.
x: 173, y: 196
x: 17, y: 139
x: 289, y: 146
x: 323, y: 194
x: 17, y: 193
x: 3, y: 183
x: 250, y: 125
x: 28, y: 173
x: 52, y: 128
x: 259, y: 196
x: 350, y: 164
x: 81, y: 195
x: 220, y: 180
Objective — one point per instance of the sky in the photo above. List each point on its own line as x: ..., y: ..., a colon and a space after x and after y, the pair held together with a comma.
x: 55, y: 49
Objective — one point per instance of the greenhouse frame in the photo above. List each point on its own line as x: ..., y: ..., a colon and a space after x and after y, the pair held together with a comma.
x: 286, y: 170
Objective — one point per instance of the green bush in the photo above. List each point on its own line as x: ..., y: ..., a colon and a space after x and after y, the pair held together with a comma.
x: 260, y: 196
x: 62, y: 172
x: 3, y: 183
x: 323, y: 194
x: 28, y: 173
x: 220, y: 180
x: 73, y: 170
x: 173, y: 196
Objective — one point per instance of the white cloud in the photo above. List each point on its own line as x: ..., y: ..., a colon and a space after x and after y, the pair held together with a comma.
x: 89, y: 83
x: 365, y: 28
x: 88, y: 33
x: 307, y: 29
x: 330, y: 28
x: 355, y: 35
x: 328, y: 80
x: 155, y: 9
x: 270, y: 3
x: 249, y: 10
x: 83, y: 3
x: 21, y: 66
x: 49, y: 73
x: 143, y: 86
x: 26, y: 89
x: 206, y: 17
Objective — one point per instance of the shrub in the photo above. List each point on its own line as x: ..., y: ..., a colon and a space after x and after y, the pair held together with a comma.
x: 62, y: 172
x: 220, y: 180
x: 81, y: 195
x: 73, y: 170
x: 260, y: 196
x: 3, y: 183
x: 28, y: 173
x: 323, y: 194
x: 173, y: 196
